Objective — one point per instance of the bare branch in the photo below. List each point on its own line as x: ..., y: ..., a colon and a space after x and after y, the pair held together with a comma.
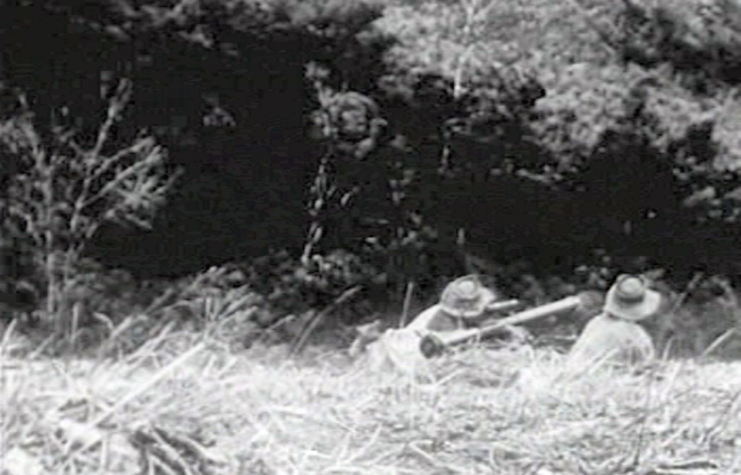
x: 106, y: 164
x: 116, y: 105
x: 154, y: 156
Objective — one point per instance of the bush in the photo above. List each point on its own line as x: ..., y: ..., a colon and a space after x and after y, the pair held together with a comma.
x: 66, y: 186
x: 292, y: 287
x: 700, y: 39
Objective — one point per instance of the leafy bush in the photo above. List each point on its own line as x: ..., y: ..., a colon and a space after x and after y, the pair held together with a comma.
x: 701, y: 39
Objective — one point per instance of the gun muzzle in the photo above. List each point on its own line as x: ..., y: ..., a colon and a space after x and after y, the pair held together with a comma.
x: 431, y: 345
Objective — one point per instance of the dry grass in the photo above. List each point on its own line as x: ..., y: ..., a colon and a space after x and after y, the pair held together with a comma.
x: 261, y: 412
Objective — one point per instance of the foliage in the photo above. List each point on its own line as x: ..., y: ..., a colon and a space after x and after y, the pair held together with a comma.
x: 186, y: 59
x: 363, y: 190
x: 700, y: 39
x: 412, y: 135
x: 67, y: 186
x: 294, y: 287
x: 691, y: 137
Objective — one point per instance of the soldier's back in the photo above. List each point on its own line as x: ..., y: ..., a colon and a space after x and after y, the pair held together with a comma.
x: 606, y: 338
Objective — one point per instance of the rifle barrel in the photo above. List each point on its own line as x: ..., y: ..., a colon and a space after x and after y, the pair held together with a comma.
x: 563, y: 305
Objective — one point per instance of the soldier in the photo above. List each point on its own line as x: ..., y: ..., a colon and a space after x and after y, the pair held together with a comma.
x: 615, y: 334
x: 464, y: 303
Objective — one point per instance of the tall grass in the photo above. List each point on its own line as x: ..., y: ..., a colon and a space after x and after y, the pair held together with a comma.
x: 485, y: 411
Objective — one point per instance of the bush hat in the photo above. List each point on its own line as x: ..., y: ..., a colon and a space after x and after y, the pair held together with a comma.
x: 630, y: 298
x: 466, y: 297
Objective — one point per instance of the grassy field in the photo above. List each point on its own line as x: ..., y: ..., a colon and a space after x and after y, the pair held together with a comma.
x: 183, y: 406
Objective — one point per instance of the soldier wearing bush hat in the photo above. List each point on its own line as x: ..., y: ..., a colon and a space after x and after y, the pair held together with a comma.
x: 463, y: 299
x: 465, y: 302
x: 615, y: 334
x: 630, y: 298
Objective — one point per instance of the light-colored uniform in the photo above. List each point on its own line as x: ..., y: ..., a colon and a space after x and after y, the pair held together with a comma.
x: 610, y: 339
x: 462, y: 304
x: 434, y: 319
x: 398, y: 349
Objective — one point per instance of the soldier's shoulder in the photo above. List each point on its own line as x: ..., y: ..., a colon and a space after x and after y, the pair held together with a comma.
x: 433, y: 319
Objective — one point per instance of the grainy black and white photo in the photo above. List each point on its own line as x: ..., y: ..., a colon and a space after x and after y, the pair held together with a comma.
x: 362, y: 237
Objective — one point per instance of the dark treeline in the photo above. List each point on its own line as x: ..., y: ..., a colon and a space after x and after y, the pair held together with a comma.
x: 617, y: 141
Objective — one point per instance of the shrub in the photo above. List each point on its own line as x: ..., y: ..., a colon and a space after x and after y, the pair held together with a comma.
x: 68, y: 185
x: 294, y: 287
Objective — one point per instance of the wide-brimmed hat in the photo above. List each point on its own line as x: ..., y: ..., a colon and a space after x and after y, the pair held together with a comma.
x: 466, y: 297
x: 631, y: 299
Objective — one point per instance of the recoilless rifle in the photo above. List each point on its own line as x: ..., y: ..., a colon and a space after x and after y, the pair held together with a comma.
x: 434, y: 344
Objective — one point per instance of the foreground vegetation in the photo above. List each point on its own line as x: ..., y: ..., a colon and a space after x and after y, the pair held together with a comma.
x: 184, y: 403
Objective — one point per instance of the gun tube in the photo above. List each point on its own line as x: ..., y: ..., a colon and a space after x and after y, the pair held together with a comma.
x: 433, y: 344
x: 502, y: 306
